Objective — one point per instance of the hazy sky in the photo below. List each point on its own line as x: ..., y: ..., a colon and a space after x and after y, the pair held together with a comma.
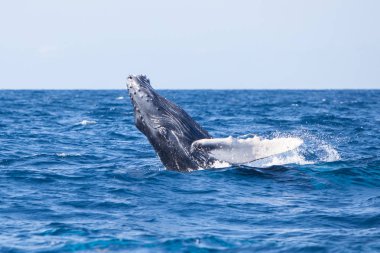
x: 76, y: 44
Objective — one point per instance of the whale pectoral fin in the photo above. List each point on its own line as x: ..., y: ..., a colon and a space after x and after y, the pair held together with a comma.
x: 240, y: 151
x: 209, y: 145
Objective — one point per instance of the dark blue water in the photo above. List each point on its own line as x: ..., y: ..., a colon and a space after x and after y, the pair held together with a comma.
x: 76, y: 175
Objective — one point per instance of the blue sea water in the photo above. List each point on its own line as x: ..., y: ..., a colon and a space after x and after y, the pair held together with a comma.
x: 76, y: 175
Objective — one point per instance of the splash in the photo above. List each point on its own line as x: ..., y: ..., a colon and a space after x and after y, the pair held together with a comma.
x: 331, y: 155
x: 309, y: 150
x: 220, y: 165
x: 313, y: 150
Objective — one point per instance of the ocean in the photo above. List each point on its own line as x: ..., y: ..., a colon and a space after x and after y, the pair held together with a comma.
x: 77, y: 176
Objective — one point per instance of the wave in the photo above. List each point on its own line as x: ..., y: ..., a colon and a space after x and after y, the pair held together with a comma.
x: 67, y: 154
x: 87, y: 122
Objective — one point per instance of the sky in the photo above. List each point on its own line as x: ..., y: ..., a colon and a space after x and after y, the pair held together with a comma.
x: 212, y: 44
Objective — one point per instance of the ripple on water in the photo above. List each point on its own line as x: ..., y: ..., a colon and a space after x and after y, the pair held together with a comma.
x: 76, y: 175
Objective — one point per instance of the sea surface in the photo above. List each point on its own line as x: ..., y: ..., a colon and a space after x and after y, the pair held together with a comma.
x: 77, y: 176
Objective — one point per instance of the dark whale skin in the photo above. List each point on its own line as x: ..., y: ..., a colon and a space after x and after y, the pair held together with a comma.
x: 168, y: 128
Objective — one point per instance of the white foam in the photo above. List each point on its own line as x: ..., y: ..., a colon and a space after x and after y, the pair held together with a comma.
x: 120, y: 98
x: 331, y: 154
x: 313, y: 151
x: 220, y: 164
x: 65, y: 154
x: 87, y: 122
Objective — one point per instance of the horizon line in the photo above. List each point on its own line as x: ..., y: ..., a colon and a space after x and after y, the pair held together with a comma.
x: 186, y: 89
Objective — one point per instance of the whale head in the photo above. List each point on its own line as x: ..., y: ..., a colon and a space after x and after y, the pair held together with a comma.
x: 169, y: 129
x: 144, y: 100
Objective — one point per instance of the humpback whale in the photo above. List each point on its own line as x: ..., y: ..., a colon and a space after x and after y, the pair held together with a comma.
x: 181, y: 143
x: 169, y: 129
